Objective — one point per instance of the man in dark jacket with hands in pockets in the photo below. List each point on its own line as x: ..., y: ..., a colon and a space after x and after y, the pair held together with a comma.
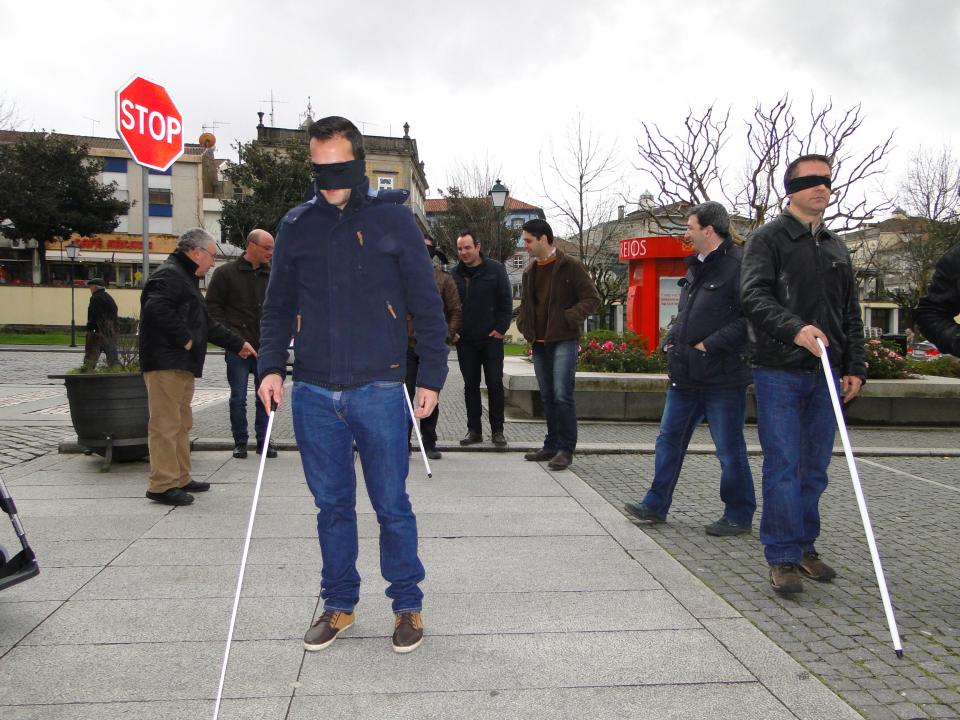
x: 706, y: 360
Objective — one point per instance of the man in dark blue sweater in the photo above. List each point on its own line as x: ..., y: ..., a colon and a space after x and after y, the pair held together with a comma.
x: 351, y: 266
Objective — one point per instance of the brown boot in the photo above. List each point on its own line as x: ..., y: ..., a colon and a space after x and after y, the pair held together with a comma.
x: 561, y: 461
x: 813, y: 567
x: 540, y: 455
x: 785, y: 579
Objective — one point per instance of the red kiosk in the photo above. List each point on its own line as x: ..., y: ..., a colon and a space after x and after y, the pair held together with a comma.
x: 655, y: 264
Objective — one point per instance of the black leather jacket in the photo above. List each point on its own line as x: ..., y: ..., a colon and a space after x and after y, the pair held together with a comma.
x: 235, y: 297
x: 172, y: 312
x: 937, y: 309
x: 792, y: 277
x: 709, y: 312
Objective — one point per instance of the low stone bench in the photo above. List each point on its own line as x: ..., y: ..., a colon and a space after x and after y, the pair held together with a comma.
x: 926, y: 400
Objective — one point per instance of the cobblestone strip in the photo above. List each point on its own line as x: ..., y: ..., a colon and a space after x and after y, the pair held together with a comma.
x: 26, y: 442
x: 837, y: 630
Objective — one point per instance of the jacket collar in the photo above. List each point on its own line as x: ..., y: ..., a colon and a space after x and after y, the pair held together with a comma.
x: 359, y: 196
x: 462, y: 269
x: 178, y: 257
x: 796, y: 229
x: 719, y: 250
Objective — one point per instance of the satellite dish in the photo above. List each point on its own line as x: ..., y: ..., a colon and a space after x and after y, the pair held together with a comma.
x: 208, y: 140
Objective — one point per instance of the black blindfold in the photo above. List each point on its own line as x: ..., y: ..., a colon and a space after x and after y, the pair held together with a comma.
x: 339, y: 176
x: 805, y: 182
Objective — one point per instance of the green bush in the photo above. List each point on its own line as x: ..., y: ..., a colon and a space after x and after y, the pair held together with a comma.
x: 944, y: 366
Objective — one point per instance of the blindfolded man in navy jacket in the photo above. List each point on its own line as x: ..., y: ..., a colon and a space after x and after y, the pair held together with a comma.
x: 352, y: 266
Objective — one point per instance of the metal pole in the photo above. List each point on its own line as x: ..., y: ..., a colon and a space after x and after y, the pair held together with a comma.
x: 73, y: 313
x: 145, y: 202
x: 861, y: 502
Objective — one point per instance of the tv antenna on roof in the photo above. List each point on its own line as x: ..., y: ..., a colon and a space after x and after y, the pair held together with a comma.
x: 213, y: 125
x: 94, y: 122
x: 273, y: 102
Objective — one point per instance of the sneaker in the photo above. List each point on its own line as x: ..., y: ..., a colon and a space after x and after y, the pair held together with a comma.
x: 407, y: 632
x: 540, y: 455
x: 472, y: 438
x: 433, y: 454
x: 724, y: 528
x: 816, y: 569
x: 173, y: 496
x: 560, y: 461
x: 785, y: 579
x: 639, y: 511
x: 196, y: 486
x: 325, y: 629
x: 498, y: 439
x: 240, y: 451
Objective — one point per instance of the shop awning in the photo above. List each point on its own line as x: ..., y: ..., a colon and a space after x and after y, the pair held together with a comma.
x: 100, y: 256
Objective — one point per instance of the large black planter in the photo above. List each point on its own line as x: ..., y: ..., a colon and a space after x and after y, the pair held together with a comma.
x: 110, y: 414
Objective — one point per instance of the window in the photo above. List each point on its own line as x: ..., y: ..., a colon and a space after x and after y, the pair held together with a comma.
x: 518, y: 262
x: 160, y: 196
x: 516, y: 224
x: 117, y: 165
x: 161, y: 210
x: 168, y: 171
x: 384, y: 183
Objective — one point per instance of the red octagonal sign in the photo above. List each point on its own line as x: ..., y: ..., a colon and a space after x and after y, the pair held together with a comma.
x: 149, y: 123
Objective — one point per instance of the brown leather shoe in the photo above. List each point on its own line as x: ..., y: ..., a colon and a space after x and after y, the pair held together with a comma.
x: 407, y: 632
x: 326, y: 628
x: 540, y: 455
x: 813, y: 567
x: 561, y: 461
x: 471, y: 438
x: 785, y: 579
x: 498, y: 439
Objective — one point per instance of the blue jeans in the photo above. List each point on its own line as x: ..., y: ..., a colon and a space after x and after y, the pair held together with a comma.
x: 724, y: 409
x: 326, y: 423
x: 555, y: 364
x: 797, y: 428
x: 239, y: 371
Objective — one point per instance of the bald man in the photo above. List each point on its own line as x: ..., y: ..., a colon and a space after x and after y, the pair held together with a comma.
x: 235, y: 298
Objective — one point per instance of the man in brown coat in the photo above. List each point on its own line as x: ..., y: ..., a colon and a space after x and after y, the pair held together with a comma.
x: 453, y: 313
x: 557, y: 296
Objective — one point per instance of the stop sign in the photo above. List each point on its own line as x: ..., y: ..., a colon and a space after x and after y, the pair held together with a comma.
x: 149, y: 123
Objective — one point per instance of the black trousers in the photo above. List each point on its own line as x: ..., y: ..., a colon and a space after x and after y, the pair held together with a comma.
x: 474, y: 356
x: 428, y: 425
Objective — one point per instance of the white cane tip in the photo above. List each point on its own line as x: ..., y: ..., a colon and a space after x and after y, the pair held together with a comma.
x: 899, y: 653
x: 429, y: 475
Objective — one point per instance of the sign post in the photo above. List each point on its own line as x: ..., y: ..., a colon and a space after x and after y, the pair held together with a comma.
x: 151, y: 127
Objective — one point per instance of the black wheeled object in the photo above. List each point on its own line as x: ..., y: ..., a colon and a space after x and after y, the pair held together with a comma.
x: 22, y: 566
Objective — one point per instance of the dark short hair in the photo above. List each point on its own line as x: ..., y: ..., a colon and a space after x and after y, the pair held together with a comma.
x: 792, y: 167
x: 471, y: 233
x: 713, y: 214
x: 539, y: 228
x: 328, y: 127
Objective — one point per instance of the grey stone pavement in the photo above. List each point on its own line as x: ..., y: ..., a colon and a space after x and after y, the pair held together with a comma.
x: 559, y: 627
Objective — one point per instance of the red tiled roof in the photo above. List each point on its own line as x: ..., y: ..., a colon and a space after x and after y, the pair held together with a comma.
x: 439, y: 205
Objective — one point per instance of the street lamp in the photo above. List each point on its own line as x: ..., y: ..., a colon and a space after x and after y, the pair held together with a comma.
x: 498, y: 196
x: 72, y: 250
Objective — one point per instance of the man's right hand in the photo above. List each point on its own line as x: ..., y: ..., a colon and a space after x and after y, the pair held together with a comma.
x: 271, y: 391
x: 807, y: 338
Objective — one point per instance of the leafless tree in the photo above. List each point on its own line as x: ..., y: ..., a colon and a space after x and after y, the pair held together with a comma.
x: 582, y: 184
x: 689, y: 167
x: 9, y: 115
x: 931, y: 188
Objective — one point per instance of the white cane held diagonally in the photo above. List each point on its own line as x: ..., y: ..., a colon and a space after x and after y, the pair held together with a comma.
x: 416, y: 426
x: 243, y: 559
x: 861, y: 501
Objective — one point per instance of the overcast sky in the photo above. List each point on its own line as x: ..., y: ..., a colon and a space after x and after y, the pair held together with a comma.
x: 490, y: 80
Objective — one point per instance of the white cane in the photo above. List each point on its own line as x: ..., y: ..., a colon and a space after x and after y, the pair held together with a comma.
x: 416, y: 426
x: 861, y: 502
x: 243, y: 559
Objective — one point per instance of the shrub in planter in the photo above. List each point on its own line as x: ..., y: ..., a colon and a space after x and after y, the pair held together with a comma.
x: 619, y: 354
x: 884, y: 361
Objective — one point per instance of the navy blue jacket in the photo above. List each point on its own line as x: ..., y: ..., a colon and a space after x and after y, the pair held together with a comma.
x: 487, y: 299
x: 709, y: 312
x: 352, y: 276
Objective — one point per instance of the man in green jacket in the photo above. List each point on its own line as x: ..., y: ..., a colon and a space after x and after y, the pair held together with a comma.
x: 235, y: 298
x: 558, y: 295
